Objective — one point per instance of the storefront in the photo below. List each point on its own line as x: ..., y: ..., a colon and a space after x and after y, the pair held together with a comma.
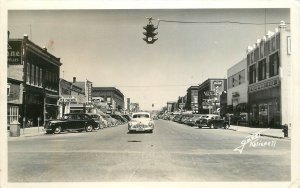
x: 264, y: 105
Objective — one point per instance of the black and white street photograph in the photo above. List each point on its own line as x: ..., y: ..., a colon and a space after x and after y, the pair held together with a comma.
x: 200, y: 95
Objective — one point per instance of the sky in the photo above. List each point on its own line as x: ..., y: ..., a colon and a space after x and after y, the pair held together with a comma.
x: 106, y: 46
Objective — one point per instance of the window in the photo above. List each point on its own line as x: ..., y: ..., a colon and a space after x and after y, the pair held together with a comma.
x: 252, y: 74
x: 12, y: 114
x: 256, y: 54
x: 274, y: 65
x: 36, y: 81
x: 262, y: 70
x: 32, y: 75
x: 28, y: 74
x: 261, y: 49
x: 273, y: 46
x: 8, y: 89
x: 267, y: 47
x: 278, y: 41
x: 41, y: 77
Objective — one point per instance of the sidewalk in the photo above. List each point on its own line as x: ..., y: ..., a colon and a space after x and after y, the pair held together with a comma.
x: 269, y: 132
x: 28, y: 132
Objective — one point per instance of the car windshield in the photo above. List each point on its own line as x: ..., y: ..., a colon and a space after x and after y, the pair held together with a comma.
x: 140, y: 116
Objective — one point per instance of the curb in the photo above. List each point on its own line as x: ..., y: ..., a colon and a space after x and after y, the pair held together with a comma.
x: 266, y: 135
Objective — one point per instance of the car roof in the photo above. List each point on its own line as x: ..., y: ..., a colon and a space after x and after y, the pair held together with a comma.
x: 141, y: 113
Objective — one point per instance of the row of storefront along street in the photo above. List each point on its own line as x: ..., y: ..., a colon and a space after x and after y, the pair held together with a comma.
x: 259, y: 86
x: 36, y: 92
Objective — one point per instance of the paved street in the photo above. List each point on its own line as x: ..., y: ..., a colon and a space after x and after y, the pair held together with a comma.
x: 174, y: 152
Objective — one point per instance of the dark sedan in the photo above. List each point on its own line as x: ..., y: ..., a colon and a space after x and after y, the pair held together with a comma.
x: 70, y: 122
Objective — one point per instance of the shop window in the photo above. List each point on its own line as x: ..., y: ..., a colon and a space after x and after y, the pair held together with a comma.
x: 12, y: 114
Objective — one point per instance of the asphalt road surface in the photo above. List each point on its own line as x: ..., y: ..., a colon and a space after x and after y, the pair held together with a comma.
x: 173, y: 152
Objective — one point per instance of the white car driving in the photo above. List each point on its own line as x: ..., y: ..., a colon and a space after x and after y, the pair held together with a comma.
x: 141, y: 121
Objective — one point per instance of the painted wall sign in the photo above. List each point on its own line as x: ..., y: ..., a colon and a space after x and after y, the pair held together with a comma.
x: 14, y: 52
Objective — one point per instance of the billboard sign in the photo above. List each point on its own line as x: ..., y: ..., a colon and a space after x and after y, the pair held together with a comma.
x: 14, y: 51
x: 209, y: 93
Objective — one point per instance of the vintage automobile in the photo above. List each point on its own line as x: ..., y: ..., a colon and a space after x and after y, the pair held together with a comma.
x: 212, y: 121
x: 70, y: 122
x: 191, y: 121
x: 98, y: 119
x: 141, y: 121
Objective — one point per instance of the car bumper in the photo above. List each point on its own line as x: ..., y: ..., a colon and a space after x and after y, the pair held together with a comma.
x: 141, y: 128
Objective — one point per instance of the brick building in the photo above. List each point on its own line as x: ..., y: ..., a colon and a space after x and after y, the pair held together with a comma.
x: 192, y: 99
x: 209, y: 95
x: 33, y: 82
x: 111, y: 95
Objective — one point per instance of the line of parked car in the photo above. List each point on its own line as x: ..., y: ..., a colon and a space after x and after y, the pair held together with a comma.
x: 84, y: 122
x: 212, y: 121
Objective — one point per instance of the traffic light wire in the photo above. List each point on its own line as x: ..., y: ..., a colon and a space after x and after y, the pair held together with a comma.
x: 216, y: 22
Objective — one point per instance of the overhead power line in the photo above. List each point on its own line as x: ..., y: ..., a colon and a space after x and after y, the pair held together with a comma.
x: 219, y: 22
x: 163, y: 85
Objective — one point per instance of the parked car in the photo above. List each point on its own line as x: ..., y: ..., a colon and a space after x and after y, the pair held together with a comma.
x: 127, y: 117
x: 141, y: 121
x: 98, y: 119
x: 212, y: 121
x: 112, y: 121
x: 191, y: 121
x: 78, y: 122
x: 121, y: 119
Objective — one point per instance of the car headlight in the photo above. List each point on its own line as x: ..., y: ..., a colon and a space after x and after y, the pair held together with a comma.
x: 129, y: 124
x: 150, y: 123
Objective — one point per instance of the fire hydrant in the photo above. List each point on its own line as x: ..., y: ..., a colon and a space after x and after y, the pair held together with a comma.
x: 285, y: 130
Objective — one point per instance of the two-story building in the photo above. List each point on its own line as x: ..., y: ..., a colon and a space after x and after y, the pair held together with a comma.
x: 209, y: 95
x: 237, y: 91
x: 33, y: 82
x: 113, y: 97
x: 72, y: 98
x: 269, y: 90
x: 192, y: 99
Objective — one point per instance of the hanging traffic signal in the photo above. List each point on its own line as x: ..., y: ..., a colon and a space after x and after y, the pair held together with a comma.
x: 150, y: 34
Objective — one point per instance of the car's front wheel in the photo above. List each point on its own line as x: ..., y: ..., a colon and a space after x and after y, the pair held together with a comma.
x: 49, y: 132
x: 226, y: 126
x: 57, y: 130
x: 89, y: 128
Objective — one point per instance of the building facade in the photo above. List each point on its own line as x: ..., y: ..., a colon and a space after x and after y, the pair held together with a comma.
x: 33, y: 73
x: 209, y: 95
x: 192, y: 99
x: 269, y: 66
x: 181, y: 103
x: 134, y: 107
x: 72, y: 98
x: 113, y: 97
x: 237, y: 91
x: 172, y: 106
x: 86, y: 87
